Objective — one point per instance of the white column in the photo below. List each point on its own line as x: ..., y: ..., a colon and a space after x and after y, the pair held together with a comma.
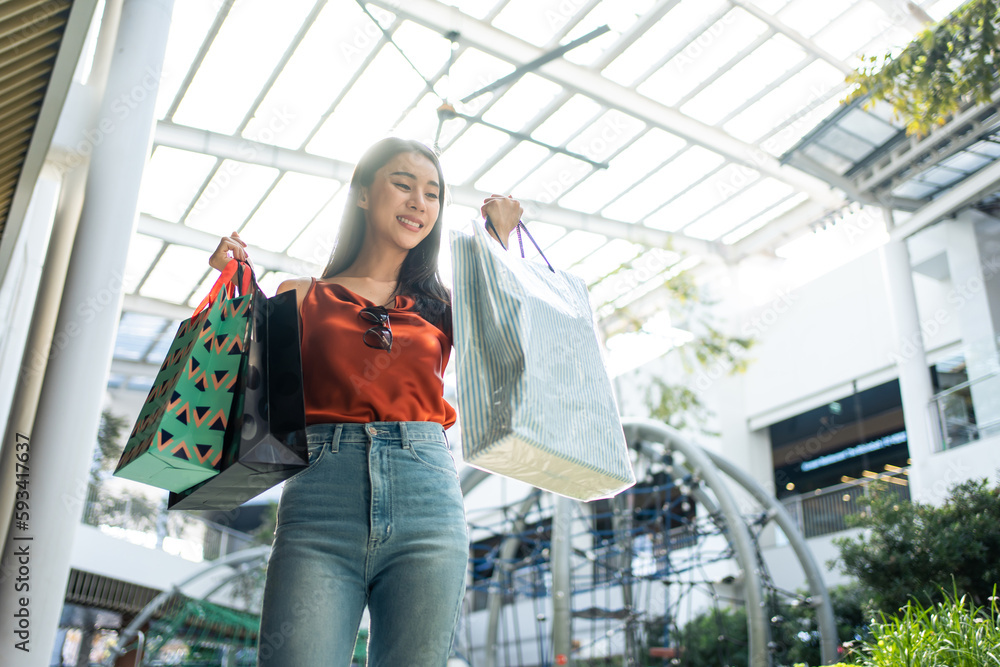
x: 914, y: 378
x: 970, y: 295
x: 560, y: 559
x: 65, y: 427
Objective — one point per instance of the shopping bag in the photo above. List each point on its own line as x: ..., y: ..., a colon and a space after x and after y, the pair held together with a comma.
x: 535, y: 400
x: 177, y: 439
x: 266, y: 440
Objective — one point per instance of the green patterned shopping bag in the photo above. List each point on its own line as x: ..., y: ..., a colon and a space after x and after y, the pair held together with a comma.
x: 177, y: 439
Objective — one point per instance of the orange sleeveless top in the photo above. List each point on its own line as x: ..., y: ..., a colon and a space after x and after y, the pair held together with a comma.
x: 344, y: 380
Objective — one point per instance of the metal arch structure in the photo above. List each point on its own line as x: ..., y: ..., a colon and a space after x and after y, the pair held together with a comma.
x: 639, y: 430
x: 709, y: 468
x: 232, y: 560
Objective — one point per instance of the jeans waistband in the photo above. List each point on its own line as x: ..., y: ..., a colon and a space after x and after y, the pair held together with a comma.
x: 402, y: 432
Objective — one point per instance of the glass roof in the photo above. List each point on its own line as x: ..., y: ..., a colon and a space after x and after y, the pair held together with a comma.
x: 673, y: 121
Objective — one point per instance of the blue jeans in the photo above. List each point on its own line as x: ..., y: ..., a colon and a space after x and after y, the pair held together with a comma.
x: 376, y: 519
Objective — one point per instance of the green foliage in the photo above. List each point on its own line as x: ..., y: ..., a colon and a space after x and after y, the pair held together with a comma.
x: 913, y: 551
x: 715, y: 638
x: 946, y: 65
x: 719, y: 637
x: 948, y: 634
x: 126, y: 509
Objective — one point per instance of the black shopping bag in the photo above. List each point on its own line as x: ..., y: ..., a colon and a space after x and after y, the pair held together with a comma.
x: 266, y: 442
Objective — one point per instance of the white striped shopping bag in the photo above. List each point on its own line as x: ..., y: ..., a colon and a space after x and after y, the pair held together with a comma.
x: 534, y: 395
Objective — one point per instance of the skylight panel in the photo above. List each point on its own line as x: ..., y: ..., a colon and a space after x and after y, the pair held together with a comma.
x: 612, y: 255
x: 914, y: 189
x: 618, y: 16
x: 701, y: 59
x: 473, y: 70
x: 316, y: 242
x: 177, y: 273
x: 678, y: 27
x: 335, y: 46
x: 546, y: 234
x: 535, y: 21
x: 647, y: 153
x: 427, y: 50
x: 844, y: 143
x: 368, y: 112
x: 844, y: 37
x: 269, y: 281
x: 672, y: 179
x: 189, y: 24
x: 745, y: 79
x: 553, y: 178
x: 566, y: 120
x: 462, y: 158
x: 788, y: 136
x: 986, y: 147
x: 522, y: 102
x: 966, y: 161
x: 205, y: 286
x: 808, y: 16
x: 293, y: 202
x: 803, y: 89
x: 739, y: 209
x: 871, y: 128
x: 170, y: 181
x: 571, y: 248
x: 164, y: 340
x: 698, y: 199
x: 512, y: 168
x: 245, y: 52
x: 606, y: 135
x: 941, y: 176
x: 940, y: 10
x: 827, y: 158
x: 230, y: 196
x: 142, y: 251
x: 765, y: 218
x: 135, y: 334
x: 421, y: 121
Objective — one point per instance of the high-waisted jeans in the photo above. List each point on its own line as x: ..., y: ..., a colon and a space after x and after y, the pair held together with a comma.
x: 376, y: 519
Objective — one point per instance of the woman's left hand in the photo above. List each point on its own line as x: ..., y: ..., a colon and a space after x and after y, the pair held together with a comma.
x: 504, y: 213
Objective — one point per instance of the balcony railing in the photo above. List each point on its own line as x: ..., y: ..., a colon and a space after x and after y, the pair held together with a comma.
x: 825, y: 511
x: 956, y: 411
x: 147, y: 523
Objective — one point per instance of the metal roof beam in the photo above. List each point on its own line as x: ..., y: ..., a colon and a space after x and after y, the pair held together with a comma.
x: 144, y: 305
x: 960, y: 196
x: 173, y: 232
x: 794, y: 35
x: 583, y: 80
x: 286, y: 159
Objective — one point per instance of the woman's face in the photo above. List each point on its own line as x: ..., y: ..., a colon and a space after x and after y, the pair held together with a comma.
x: 402, y: 203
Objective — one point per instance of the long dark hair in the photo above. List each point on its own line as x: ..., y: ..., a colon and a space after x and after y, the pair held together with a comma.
x: 418, y: 276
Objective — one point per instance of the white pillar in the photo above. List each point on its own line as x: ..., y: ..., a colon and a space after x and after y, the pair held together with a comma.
x: 560, y: 559
x: 971, y: 297
x: 65, y: 427
x: 911, y: 361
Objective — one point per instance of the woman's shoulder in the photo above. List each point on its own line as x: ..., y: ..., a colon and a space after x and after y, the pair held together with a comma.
x: 297, y: 284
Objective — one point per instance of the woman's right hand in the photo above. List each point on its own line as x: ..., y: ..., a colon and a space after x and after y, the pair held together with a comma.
x: 230, y: 247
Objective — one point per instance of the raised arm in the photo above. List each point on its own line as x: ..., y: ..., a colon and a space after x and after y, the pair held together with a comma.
x: 504, y: 213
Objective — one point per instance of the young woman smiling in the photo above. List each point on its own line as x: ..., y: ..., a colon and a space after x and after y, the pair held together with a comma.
x: 377, y: 519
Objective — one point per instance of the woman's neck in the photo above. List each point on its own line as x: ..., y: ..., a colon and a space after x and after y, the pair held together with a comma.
x: 380, y: 266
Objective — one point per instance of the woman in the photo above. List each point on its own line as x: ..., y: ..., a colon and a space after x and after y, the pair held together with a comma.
x: 377, y: 519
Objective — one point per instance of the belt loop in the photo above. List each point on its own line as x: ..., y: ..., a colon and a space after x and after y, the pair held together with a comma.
x: 335, y: 446
x: 402, y: 435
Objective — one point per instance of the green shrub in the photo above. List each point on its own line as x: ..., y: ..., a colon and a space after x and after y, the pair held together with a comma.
x: 952, y: 633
